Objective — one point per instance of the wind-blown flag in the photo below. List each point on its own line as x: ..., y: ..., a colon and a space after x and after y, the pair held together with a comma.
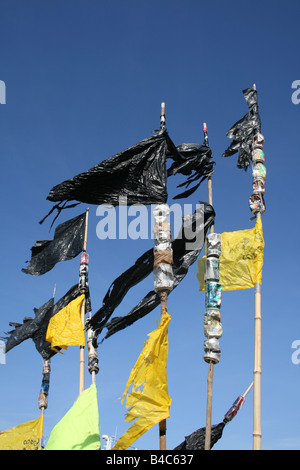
x: 196, y: 440
x: 25, y: 436
x: 30, y: 328
x: 137, y: 175
x: 66, y: 245
x: 65, y: 328
x: 198, y: 224
x: 79, y: 428
x: 241, y: 259
x: 36, y: 328
x: 243, y: 131
x: 148, y: 403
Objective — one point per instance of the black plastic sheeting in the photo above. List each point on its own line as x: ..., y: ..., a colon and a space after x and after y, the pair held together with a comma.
x: 196, y: 440
x: 66, y: 245
x: 243, y: 131
x: 36, y: 328
x: 29, y: 327
x: 138, y: 174
x: 193, y: 160
x: 183, y: 259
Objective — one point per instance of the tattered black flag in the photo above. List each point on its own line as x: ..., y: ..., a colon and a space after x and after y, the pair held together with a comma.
x: 29, y: 327
x: 43, y: 346
x: 66, y: 245
x: 137, y: 175
x: 243, y: 132
x: 194, y: 161
x: 36, y: 328
x: 196, y: 440
x: 183, y: 257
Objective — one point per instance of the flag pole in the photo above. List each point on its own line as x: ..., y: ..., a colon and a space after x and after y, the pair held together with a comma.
x: 163, y: 309
x: 163, y: 293
x: 43, y: 397
x: 83, y: 289
x: 211, y: 364
x: 257, y: 141
x: 257, y: 369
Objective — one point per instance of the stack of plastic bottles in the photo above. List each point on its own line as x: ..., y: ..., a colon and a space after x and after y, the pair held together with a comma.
x: 259, y: 173
x: 213, y: 292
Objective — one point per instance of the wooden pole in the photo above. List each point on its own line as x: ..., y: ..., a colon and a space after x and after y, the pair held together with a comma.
x: 43, y: 405
x: 210, y: 375
x: 248, y: 390
x: 163, y: 423
x: 257, y: 369
x: 41, y: 429
x: 163, y: 309
x: 257, y: 363
x: 81, y: 352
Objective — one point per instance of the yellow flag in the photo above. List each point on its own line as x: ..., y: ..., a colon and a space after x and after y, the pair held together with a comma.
x: 241, y: 259
x: 149, y: 400
x: 65, y: 327
x: 23, y: 437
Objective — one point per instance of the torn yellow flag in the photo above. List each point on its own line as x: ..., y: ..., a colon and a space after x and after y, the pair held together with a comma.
x: 241, y: 259
x: 65, y: 328
x: 25, y: 436
x: 149, y: 400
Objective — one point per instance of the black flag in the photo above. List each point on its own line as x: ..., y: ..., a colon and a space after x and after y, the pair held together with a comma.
x: 243, y: 132
x: 138, y: 174
x: 196, y: 440
x: 67, y: 244
x: 29, y: 327
x: 36, y: 328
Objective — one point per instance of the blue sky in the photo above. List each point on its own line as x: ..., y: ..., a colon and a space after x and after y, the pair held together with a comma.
x: 84, y: 80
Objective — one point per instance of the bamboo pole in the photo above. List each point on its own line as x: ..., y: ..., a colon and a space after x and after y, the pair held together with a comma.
x: 257, y: 362
x: 82, y: 348
x: 257, y: 369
